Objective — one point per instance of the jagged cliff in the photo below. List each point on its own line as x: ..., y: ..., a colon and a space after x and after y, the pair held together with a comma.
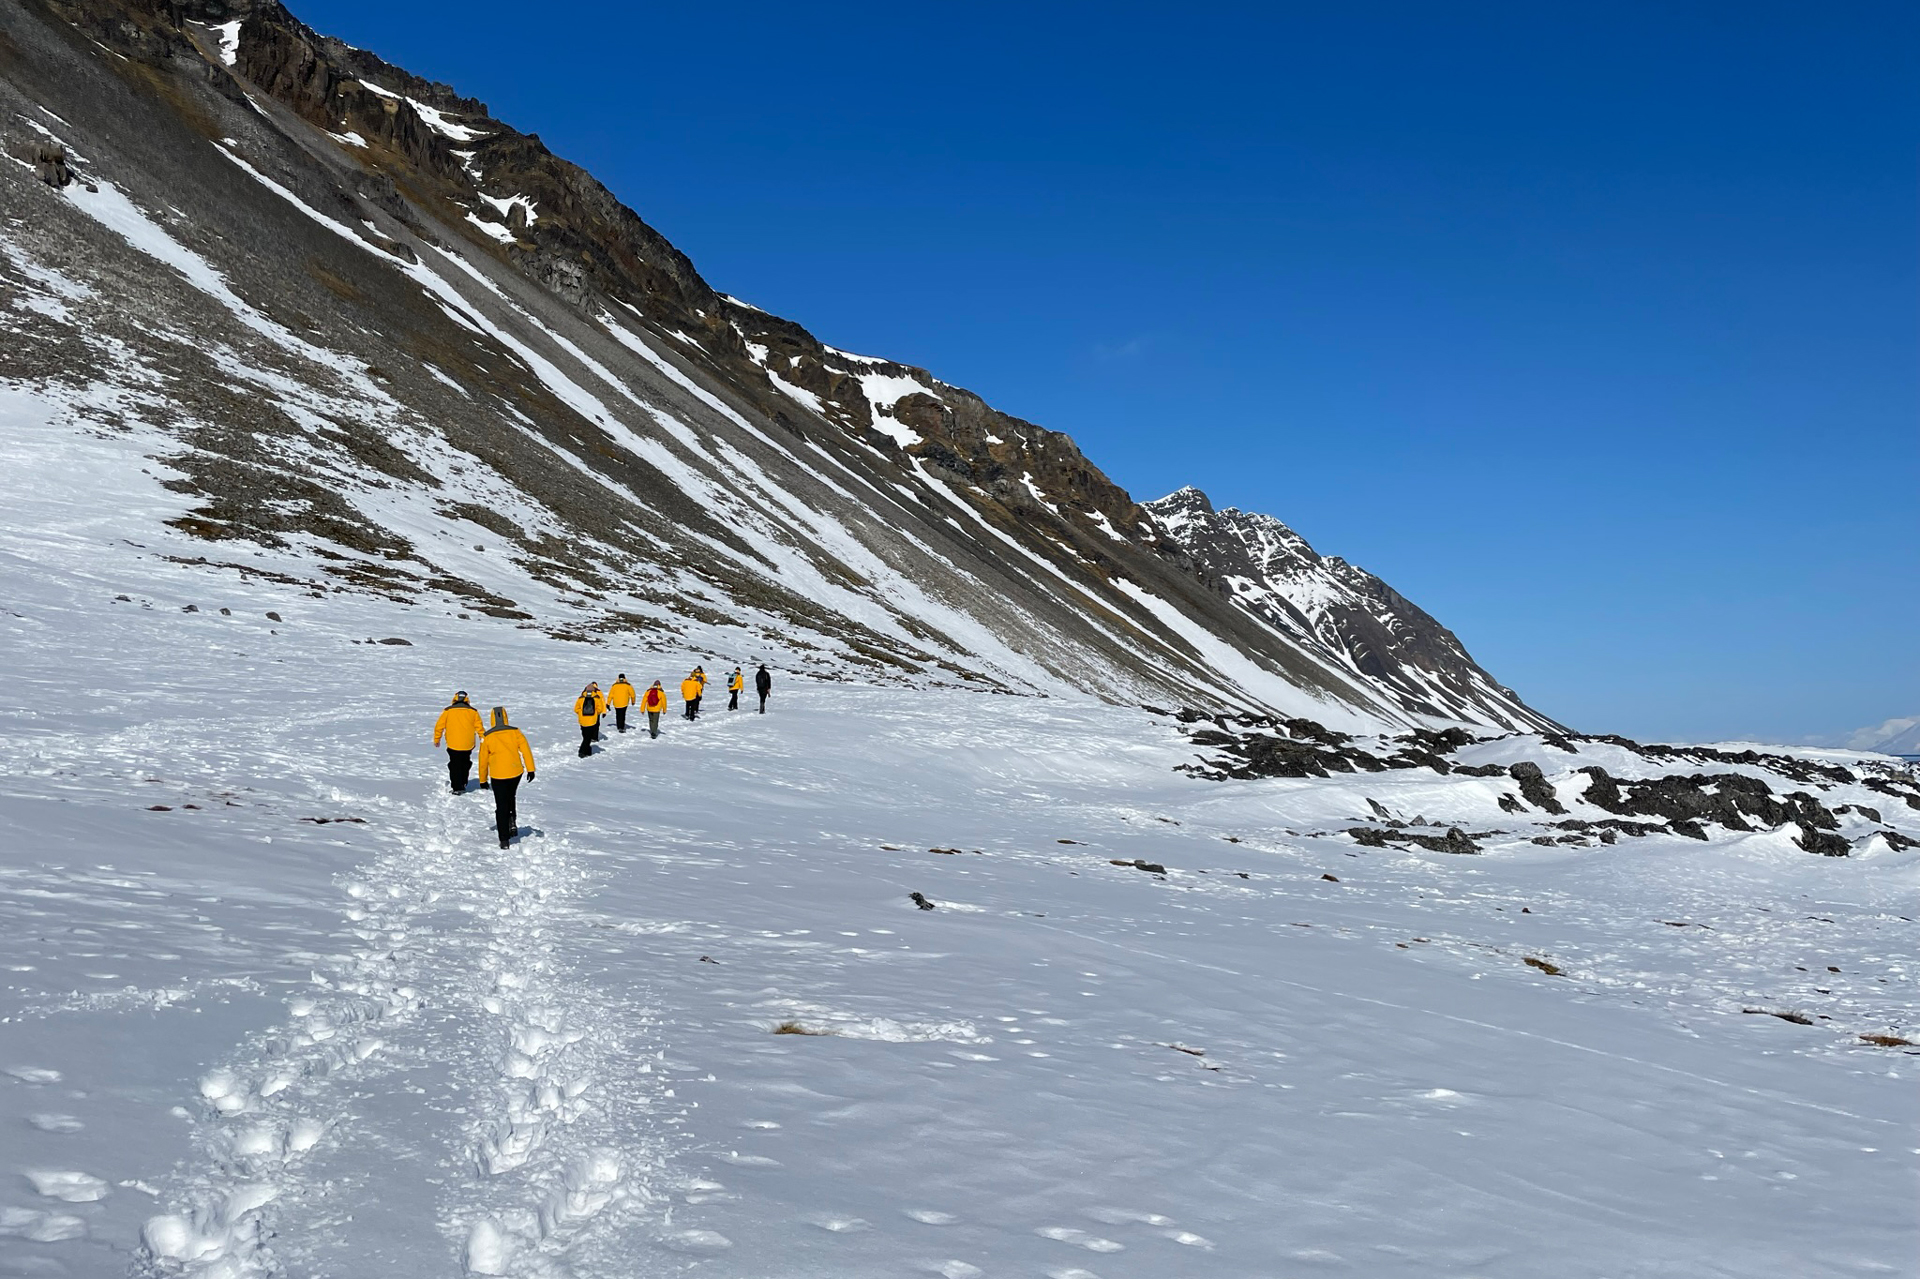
x: 384, y: 341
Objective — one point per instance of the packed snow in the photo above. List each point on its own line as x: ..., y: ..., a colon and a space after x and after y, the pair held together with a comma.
x: 432, y: 117
x: 492, y: 229
x: 504, y: 205
x: 274, y: 1002
x: 229, y: 33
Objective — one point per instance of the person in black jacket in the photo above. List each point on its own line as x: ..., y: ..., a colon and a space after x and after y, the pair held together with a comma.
x: 762, y: 684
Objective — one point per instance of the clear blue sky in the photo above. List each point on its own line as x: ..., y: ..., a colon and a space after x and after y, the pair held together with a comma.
x: 1592, y: 329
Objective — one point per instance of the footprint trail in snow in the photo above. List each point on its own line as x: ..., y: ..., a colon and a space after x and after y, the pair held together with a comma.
x: 457, y: 976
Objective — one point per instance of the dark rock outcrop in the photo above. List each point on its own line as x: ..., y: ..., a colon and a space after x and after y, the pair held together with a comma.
x: 50, y: 165
x: 1534, y: 787
x: 1732, y: 800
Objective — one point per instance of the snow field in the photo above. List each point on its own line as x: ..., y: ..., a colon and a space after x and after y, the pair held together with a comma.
x: 275, y: 1004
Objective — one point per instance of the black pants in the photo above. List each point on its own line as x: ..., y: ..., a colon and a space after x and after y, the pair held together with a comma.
x: 763, y: 703
x: 620, y: 718
x: 506, y: 814
x: 589, y: 734
x: 693, y: 708
x: 459, y: 768
x: 733, y: 699
x: 653, y: 722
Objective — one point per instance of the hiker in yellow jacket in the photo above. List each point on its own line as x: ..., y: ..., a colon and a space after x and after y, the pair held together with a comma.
x: 619, y: 697
x: 735, y: 682
x: 505, y: 757
x: 654, y: 702
x: 588, y: 708
x: 460, y: 726
x: 690, y: 693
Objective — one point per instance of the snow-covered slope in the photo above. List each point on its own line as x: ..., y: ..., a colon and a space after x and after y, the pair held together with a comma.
x: 274, y: 1004
x: 393, y: 345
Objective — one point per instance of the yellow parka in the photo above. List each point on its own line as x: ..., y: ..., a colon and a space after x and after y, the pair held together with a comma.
x: 700, y: 674
x: 460, y: 725
x: 689, y: 688
x: 589, y: 706
x: 504, y: 753
x: 735, y: 682
x: 654, y: 699
x: 620, y: 695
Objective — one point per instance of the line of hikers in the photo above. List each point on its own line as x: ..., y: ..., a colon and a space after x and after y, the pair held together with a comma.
x: 504, y: 755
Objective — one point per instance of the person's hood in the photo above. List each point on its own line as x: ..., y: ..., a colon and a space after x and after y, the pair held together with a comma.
x: 500, y: 717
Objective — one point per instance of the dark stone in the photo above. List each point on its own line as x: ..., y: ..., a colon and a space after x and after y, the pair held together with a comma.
x: 1822, y: 842
x: 50, y: 165
x: 273, y: 617
x: 1534, y: 787
x: 1454, y: 841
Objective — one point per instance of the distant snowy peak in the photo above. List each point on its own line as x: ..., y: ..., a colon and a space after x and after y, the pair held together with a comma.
x: 1354, y: 618
x: 1899, y: 736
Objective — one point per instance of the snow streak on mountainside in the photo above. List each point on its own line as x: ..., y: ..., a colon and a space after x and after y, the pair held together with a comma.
x: 359, y: 320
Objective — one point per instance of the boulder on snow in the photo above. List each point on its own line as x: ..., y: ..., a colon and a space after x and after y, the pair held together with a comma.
x: 1825, y: 843
x: 1534, y: 787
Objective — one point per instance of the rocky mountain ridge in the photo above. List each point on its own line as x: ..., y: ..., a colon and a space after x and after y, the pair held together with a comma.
x: 383, y: 341
x: 1362, y: 623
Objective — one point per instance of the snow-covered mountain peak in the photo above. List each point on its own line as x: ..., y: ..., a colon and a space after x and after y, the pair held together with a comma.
x: 1272, y: 573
